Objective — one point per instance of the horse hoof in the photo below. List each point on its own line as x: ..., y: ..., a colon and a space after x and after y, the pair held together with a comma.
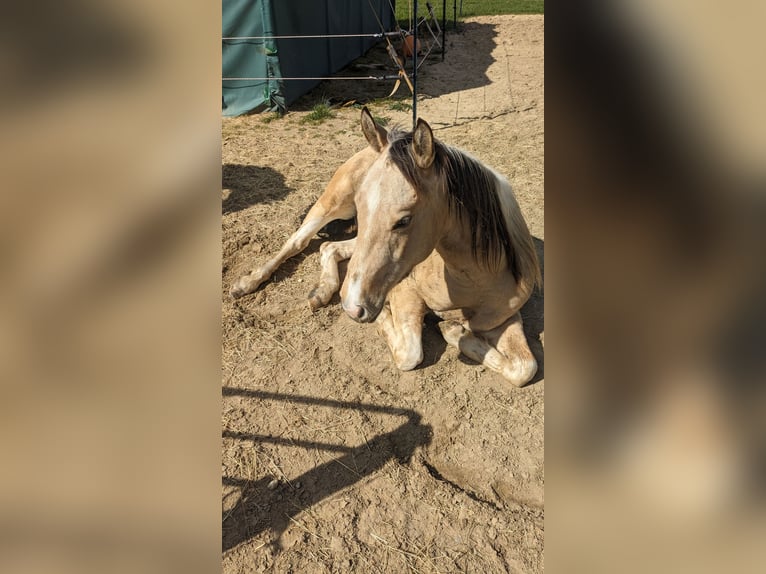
x: 522, y: 372
x: 247, y: 284
x: 242, y: 288
x: 410, y: 361
x: 236, y: 292
x: 318, y: 299
x: 315, y: 302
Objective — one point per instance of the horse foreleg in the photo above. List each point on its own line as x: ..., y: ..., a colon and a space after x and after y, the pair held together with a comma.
x: 329, y: 280
x: 504, y: 349
x: 402, y: 326
x: 342, y: 207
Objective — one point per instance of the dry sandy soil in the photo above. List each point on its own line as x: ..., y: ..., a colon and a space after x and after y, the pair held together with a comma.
x: 332, y: 459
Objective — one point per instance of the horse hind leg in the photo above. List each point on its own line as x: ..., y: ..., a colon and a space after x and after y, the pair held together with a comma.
x: 504, y: 349
x: 317, y: 217
x: 329, y: 281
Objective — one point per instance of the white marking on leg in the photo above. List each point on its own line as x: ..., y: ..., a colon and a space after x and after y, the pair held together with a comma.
x: 409, y: 351
x: 401, y: 324
x: 406, y: 355
x: 329, y: 281
x: 517, y: 370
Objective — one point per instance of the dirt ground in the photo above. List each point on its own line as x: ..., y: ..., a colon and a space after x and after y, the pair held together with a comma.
x: 332, y: 459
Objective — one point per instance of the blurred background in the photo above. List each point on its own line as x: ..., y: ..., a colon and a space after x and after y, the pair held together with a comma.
x: 109, y: 293
x: 110, y: 287
x: 655, y: 280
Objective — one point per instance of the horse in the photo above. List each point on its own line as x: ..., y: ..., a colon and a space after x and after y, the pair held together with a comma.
x: 436, y: 230
x: 440, y: 231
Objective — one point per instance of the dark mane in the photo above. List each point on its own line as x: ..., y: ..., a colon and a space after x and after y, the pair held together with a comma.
x: 470, y: 189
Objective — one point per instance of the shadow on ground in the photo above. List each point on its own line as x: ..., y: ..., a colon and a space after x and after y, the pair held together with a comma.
x: 261, y: 508
x: 250, y: 184
x: 469, y: 50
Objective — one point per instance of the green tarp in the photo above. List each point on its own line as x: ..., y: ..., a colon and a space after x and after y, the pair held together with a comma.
x: 273, y: 59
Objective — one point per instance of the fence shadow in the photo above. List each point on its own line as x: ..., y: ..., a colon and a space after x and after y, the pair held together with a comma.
x: 261, y: 508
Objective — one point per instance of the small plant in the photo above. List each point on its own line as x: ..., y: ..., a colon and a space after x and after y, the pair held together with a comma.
x: 399, y: 106
x: 319, y: 114
x: 381, y: 120
x: 268, y: 118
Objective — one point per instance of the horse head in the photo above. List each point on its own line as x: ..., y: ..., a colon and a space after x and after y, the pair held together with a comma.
x: 400, y: 216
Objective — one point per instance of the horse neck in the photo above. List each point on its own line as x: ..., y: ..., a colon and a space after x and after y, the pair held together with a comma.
x: 454, y: 247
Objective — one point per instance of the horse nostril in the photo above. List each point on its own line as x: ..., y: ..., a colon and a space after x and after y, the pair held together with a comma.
x: 357, y: 312
x: 361, y: 312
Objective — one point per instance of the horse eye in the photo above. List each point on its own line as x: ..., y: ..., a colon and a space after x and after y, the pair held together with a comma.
x: 403, y: 222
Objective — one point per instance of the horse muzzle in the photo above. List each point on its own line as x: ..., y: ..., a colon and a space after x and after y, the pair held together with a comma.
x: 363, y: 313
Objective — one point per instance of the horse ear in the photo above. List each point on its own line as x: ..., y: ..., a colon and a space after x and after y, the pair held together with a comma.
x: 423, y: 145
x: 376, y: 135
